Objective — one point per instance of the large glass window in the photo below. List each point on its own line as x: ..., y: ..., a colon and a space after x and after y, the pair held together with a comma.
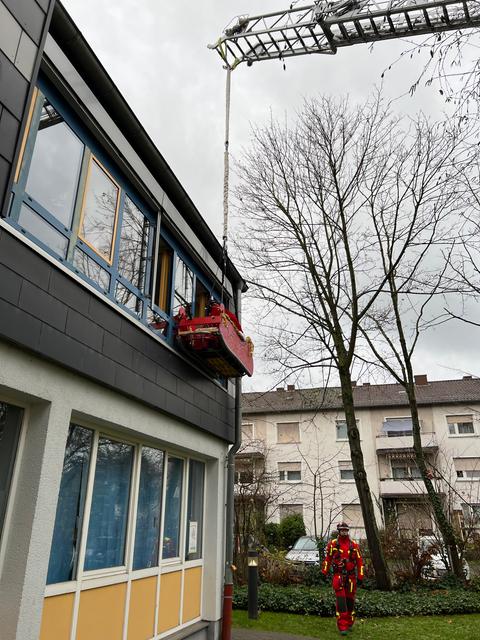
x: 132, y: 253
x: 70, y: 506
x: 42, y: 230
x: 55, y: 165
x: 196, y: 480
x: 173, y: 507
x: 183, y: 287
x: 149, y: 509
x: 10, y: 424
x: 109, y: 511
x: 99, y: 215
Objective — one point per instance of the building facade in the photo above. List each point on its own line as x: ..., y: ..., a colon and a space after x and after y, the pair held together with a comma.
x: 112, y: 439
x: 301, y: 438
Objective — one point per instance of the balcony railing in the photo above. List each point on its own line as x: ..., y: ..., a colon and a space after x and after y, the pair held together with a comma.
x: 384, y: 443
x: 401, y: 487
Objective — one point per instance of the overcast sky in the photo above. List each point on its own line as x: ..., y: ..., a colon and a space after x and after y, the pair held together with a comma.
x: 156, y: 53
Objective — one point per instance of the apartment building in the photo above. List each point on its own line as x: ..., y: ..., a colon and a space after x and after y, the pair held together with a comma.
x: 297, y: 439
x: 112, y: 439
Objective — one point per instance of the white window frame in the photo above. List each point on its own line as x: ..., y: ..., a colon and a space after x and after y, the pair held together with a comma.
x: 409, y: 464
x: 285, y: 479
x: 461, y: 435
x: 337, y: 422
x: 342, y: 466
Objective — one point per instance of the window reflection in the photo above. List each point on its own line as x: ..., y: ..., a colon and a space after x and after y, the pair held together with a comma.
x: 71, y: 500
x: 132, y: 253
x: 43, y: 231
x: 109, y: 511
x: 147, y: 534
x: 91, y: 269
x: 173, y: 506
x: 99, y: 211
x: 183, y: 286
x: 10, y: 424
x: 194, y: 538
x: 55, y: 166
x: 128, y: 299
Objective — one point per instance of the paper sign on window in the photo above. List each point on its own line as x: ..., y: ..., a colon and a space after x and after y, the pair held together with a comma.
x: 192, y: 537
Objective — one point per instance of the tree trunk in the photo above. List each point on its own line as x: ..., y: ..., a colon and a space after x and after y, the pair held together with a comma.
x: 443, y: 523
x: 382, y: 576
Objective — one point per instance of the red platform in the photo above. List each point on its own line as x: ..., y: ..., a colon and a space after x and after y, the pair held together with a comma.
x: 217, y: 339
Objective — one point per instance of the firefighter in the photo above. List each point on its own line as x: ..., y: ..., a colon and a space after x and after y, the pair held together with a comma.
x: 343, y: 555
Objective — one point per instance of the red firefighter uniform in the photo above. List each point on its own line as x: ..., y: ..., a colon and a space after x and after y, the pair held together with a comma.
x: 343, y: 555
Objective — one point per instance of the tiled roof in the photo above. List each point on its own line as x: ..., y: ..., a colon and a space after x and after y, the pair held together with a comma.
x: 365, y: 396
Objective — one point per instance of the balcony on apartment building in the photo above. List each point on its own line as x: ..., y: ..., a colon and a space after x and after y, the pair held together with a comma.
x: 401, y: 487
x: 396, y: 435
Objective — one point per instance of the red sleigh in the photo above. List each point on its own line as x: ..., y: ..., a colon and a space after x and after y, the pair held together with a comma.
x: 217, y: 340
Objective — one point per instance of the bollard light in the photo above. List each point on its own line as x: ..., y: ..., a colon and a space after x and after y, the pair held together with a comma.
x: 253, y: 559
x: 253, y: 584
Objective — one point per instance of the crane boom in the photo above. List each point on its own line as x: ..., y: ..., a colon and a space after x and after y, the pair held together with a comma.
x: 324, y: 26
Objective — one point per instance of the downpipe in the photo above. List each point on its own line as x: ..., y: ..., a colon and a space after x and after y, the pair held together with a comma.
x: 229, y: 518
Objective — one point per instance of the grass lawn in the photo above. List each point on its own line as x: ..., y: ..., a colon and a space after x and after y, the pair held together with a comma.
x: 465, y: 627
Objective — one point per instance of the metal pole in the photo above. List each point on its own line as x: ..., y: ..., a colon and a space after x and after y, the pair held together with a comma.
x: 253, y: 584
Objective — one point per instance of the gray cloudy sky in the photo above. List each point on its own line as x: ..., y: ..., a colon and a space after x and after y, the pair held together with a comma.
x: 156, y: 52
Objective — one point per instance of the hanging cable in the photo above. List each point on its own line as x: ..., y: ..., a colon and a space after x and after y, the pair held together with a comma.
x: 226, y: 176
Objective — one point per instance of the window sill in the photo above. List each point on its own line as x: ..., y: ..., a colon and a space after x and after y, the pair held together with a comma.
x: 463, y: 435
x: 467, y: 479
x: 347, y: 481
x: 290, y: 481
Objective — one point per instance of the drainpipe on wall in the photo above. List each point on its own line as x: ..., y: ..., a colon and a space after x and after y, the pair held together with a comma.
x: 229, y: 512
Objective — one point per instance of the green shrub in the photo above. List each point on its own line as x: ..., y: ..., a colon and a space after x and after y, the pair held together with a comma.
x: 290, y: 529
x: 273, y: 538
x: 321, y: 602
x: 274, y: 569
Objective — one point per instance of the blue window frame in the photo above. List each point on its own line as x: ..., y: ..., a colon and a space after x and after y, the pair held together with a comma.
x: 71, y: 200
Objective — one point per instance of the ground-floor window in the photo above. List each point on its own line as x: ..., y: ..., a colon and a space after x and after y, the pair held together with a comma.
x: 114, y: 511
x: 10, y: 425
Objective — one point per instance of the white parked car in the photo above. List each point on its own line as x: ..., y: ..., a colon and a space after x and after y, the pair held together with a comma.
x: 304, y: 551
x: 438, y: 565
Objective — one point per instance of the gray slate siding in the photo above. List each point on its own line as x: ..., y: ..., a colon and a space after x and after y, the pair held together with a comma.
x: 23, y: 27
x: 45, y: 311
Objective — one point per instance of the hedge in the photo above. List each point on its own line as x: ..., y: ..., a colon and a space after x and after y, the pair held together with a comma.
x: 320, y: 602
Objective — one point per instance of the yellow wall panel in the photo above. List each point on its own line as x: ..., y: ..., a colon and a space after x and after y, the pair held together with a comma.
x: 57, y: 617
x: 141, y: 613
x: 170, y: 594
x: 101, y: 613
x: 192, y: 594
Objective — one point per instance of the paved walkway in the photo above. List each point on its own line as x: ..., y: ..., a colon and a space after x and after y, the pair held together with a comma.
x: 253, y: 634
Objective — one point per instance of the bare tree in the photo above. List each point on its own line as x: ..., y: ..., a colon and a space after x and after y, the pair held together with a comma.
x: 416, y: 232
x: 303, y: 194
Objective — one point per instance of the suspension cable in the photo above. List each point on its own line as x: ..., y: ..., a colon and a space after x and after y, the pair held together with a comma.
x: 226, y: 176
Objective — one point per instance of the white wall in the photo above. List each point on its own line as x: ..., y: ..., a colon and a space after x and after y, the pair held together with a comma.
x: 52, y: 397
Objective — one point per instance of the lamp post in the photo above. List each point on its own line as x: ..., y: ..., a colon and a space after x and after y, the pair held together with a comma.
x: 253, y: 584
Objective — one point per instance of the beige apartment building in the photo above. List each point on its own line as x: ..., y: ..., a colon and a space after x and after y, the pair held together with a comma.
x: 295, y: 445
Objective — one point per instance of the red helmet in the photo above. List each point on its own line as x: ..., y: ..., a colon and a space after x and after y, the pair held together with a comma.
x: 343, y: 525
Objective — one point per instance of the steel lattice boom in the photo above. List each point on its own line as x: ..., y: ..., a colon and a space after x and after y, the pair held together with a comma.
x: 323, y: 26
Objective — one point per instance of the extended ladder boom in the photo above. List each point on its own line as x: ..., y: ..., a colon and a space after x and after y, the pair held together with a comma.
x: 322, y: 27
